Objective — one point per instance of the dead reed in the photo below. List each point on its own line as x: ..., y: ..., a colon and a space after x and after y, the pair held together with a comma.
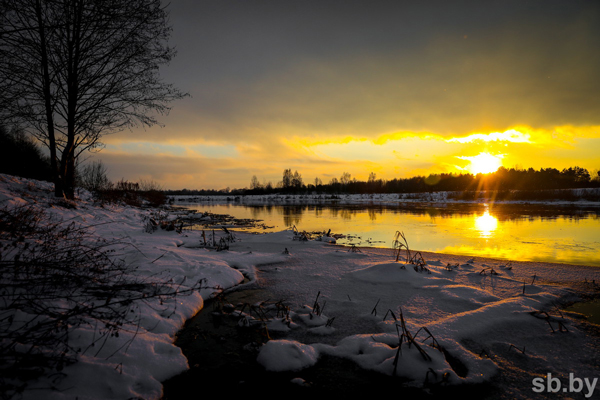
x: 405, y: 336
x: 416, y: 259
x: 400, y: 243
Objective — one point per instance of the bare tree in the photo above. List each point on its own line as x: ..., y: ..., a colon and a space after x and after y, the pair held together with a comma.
x: 93, y: 177
x: 297, y: 181
x: 254, y: 183
x: 372, y: 177
x: 345, y: 178
x: 72, y: 71
x: 287, y: 178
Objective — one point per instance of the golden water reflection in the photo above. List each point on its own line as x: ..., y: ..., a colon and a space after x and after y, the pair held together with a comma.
x: 486, y: 224
x: 519, y: 232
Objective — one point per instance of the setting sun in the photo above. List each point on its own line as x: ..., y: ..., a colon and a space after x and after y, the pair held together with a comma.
x: 483, y: 163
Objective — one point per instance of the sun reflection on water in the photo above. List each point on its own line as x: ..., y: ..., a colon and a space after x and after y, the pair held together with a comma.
x: 486, y: 224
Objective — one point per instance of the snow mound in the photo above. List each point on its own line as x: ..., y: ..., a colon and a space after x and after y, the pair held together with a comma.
x: 286, y: 355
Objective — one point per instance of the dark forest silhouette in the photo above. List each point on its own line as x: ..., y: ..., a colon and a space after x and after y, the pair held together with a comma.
x: 545, y: 182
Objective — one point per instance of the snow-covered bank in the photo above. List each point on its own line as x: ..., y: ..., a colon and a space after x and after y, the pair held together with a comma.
x: 485, y: 320
x: 122, y: 368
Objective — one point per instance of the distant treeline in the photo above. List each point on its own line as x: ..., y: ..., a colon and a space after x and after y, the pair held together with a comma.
x: 504, y: 180
x: 20, y: 156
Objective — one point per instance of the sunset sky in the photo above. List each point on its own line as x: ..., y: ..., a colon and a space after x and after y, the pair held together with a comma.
x: 399, y: 88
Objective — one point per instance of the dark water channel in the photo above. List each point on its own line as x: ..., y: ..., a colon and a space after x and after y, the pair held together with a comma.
x: 222, y: 358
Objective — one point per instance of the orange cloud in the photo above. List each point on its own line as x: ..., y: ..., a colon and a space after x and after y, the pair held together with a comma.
x: 511, y: 135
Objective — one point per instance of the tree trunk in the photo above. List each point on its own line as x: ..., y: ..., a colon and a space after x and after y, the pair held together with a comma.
x: 58, y: 186
x: 70, y: 176
x: 68, y: 156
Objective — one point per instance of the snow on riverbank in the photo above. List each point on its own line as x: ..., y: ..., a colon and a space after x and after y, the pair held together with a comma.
x: 580, y: 197
x: 136, y: 369
x: 457, y: 320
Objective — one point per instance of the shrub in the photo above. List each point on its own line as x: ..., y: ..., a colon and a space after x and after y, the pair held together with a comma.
x: 56, y: 277
x: 93, y: 177
x: 134, y: 193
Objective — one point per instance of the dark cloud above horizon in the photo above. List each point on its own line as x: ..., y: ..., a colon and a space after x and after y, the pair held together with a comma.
x: 269, y: 80
x: 374, y: 67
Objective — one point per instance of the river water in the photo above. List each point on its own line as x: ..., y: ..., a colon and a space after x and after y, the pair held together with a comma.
x: 523, y: 232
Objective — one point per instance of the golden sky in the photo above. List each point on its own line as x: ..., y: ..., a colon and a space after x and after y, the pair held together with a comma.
x: 399, y: 88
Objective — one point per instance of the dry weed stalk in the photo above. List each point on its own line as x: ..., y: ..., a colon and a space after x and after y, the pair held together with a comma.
x: 491, y: 269
x: 301, y: 236
x: 57, y: 276
x: 398, y: 245
x: 548, y: 318
x: 512, y: 346
x: 451, y: 267
x: 415, y: 259
x: 404, y: 335
x: 374, y: 311
x: 317, y: 308
x: 354, y: 249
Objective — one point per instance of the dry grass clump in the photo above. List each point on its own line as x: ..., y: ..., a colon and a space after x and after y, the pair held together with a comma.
x: 416, y: 259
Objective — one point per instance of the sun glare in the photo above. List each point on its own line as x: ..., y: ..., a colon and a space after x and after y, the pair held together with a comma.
x: 486, y: 224
x: 483, y: 163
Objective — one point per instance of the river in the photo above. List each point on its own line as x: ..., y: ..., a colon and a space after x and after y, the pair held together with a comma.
x: 526, y: 232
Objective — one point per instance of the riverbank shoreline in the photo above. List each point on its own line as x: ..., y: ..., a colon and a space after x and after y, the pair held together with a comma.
x: 542, y: 232
x: 334, y: 375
